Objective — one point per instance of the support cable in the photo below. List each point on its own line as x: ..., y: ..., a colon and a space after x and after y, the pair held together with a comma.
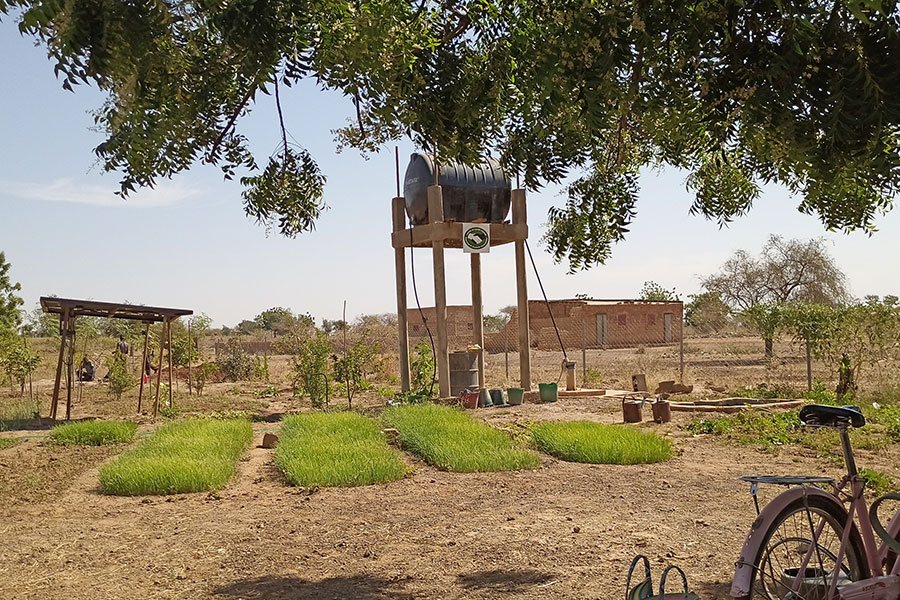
x: 547, y: 302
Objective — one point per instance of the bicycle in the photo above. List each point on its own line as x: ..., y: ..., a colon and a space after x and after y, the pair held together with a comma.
x: 810, y: 543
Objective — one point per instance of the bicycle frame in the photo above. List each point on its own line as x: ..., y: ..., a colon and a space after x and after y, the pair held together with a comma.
x: 875, y: 554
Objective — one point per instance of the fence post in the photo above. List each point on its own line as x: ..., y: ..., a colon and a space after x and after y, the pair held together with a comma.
x: 808, y: 368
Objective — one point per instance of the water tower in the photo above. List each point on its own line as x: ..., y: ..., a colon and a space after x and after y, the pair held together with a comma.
x: 442, y: 204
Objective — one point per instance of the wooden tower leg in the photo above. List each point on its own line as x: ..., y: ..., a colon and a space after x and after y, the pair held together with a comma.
x: 143, y: 367
x: 478, y: 315
x: 399, y: 222
x: 435, y: 215
x: 519, y: 216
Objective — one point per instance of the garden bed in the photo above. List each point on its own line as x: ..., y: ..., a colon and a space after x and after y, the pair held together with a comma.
x: 189, y: 456
x: 450, y: 440
x: 335, y: 449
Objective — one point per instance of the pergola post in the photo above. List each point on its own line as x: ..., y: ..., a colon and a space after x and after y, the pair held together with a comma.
x: 398, y: 210
x: 519, y: 217
x: 143, y: 366
x: 162, y: 338
x: 70, y: 366
x: 63, y: 328
x: 436, y: 215
x: 478, y: 315
x: 169, y: 343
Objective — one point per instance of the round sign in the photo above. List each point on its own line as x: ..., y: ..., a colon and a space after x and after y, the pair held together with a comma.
x: 476, y: 238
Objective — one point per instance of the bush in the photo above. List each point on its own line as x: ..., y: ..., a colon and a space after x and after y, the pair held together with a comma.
x: 351, y: 369
x: 235, y: 363
x: 587, y: 442
x: 335, y: 449
x: 93, y: 433
x: 450, y: 440
x: 309, y: 362
x: 188, y: 456
x: 120, y: 380
x: 19, y: 362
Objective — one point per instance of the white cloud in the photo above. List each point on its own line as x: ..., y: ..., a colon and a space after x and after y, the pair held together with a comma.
x: 68, y: 190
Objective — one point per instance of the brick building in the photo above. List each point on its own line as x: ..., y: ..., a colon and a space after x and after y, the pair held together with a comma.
x: 594, y: 324
x: 460, y: 325
x: 581, y: 323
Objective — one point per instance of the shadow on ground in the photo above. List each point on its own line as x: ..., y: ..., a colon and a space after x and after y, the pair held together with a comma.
x: 709, y: 591
x: 359, y: 587
x: 503, y: 581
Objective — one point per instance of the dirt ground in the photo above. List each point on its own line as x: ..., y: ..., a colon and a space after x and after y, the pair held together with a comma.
x: 561, y: 531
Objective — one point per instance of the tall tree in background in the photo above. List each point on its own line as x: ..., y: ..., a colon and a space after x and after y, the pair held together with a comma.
x: 653, y: 292
x: 278, y: 320
x: 10, y: 314
x: 803, y: 93
x: 786, y: 271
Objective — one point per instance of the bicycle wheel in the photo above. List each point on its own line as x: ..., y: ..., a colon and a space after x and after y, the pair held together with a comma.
x: 788, y: 541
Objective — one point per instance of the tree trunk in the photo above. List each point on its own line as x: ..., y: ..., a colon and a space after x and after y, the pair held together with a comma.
x: 769, y: 344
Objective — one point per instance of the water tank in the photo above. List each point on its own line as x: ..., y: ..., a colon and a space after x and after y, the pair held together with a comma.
x: 481, y: 193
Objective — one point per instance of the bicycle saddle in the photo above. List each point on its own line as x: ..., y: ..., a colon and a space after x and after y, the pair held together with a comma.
x: 821, y: 415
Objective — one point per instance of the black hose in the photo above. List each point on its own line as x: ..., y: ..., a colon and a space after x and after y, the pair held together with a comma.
x: 412, y: 269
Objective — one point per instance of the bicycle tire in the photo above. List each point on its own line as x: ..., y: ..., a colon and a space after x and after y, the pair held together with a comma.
x: 790, y: 532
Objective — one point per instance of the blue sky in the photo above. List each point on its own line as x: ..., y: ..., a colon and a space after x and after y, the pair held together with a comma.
x: 188, y: 244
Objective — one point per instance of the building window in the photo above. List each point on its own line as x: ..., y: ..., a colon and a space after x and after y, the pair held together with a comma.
x: 651, y: 320
x: 416, y: 328
x: 623, y: 319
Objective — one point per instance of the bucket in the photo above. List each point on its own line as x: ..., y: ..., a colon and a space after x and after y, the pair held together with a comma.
x: 497, y: 397
x: 484, y: 399
x: 662, y: 411
x: 469, y: 399
x: 516, y: 396
x: 463, y: 371
x: 548, y: 392
x: 631, y: 411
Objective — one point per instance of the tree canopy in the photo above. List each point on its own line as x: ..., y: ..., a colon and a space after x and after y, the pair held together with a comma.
x: 10, y: 315
x: 786, y: 271
x: 804, y: 93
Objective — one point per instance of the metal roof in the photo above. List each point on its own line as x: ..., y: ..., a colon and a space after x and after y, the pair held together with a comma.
x: 112, y: 310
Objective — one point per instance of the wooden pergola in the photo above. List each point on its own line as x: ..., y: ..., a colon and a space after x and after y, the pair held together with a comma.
x: 69, y: 309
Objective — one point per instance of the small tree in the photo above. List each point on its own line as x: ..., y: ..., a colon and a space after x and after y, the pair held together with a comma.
x: 351, y: 369
x: 235, y: 363
x: 18, y: 361
x: 765, y: 320
x: 202, y: 375
x: 810, y: 325
x: 120, y: 380
x: 862, y: 336
x: 10, y: 315
x: 309, y: 366
x: 422, y: 370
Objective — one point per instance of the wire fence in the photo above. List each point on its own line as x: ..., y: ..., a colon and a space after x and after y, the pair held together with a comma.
x: 610, y: 341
